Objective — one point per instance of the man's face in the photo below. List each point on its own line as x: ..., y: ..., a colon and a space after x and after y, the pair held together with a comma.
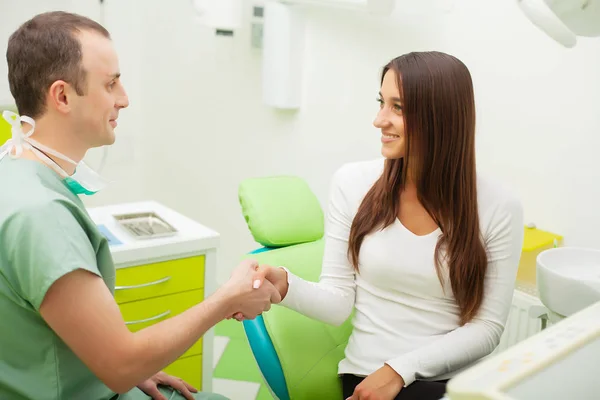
x: 95, y: 113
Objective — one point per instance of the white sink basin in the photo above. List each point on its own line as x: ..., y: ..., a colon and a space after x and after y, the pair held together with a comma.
x: 568, y: 279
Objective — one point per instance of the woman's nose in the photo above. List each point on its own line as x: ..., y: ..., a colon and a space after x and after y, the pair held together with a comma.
x: 381, y: 121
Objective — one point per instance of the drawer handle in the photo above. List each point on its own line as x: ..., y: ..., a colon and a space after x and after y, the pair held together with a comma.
x: 163, y: 280
x: 141, y: 321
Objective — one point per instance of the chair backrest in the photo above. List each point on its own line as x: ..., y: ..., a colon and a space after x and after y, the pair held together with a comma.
x: 281, y: 211
x: 297, y: 356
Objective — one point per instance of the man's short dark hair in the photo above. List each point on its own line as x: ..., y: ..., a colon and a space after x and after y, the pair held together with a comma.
x: 43, y: 50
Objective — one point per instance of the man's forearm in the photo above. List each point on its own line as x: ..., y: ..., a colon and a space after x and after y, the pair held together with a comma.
x: 157, y: 346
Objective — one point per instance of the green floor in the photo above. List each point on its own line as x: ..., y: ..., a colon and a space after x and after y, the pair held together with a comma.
x: 237, y: 362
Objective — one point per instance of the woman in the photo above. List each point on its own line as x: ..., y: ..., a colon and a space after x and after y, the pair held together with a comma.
x: 425, y: 250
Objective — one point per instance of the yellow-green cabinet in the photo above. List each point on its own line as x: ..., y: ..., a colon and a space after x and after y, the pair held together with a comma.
x: 165, y: 264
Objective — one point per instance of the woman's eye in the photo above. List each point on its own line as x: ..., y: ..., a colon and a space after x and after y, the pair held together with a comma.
x: 397, y: 107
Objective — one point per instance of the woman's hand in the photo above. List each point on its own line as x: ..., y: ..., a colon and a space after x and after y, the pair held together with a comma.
x: 278, y: 277
x: 150, y: 386
x: 383, y: 384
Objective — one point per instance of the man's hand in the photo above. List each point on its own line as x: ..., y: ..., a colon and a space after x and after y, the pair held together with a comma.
x: 383, y: 384
x: 248, y: 292
x: 276, y: 276
x: 150, y: 386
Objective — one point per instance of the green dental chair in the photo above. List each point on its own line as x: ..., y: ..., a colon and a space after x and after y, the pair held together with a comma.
x: 298, y: 357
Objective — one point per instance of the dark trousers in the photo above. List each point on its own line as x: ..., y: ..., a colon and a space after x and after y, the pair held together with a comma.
x: 418, y: 390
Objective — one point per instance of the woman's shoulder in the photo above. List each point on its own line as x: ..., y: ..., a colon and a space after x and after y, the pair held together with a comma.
x: 352, y: 181
x: 498, y: 202
x: 360, y: 171
x: 358, y: 176
x: 491, y: 191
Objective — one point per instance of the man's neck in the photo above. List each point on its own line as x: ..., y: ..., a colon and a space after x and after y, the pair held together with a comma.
x: 60, y: 139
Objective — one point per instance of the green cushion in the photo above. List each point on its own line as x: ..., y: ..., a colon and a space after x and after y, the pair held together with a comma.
x: 309, y: 351
x: 5, y: 128
x: 281, y: 211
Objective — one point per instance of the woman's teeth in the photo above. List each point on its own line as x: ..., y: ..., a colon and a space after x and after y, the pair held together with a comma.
x: 391, y: 136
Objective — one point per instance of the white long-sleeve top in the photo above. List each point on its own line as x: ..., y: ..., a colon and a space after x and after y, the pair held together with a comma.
x: 404, y: 318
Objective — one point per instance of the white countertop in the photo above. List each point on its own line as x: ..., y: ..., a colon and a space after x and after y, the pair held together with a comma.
x: 192, y: 238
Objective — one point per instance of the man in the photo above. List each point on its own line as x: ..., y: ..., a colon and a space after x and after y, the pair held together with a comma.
x: 63, y: 336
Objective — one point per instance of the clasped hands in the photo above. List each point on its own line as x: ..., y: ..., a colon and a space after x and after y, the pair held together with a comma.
x: 249, y: 292
x: 253, y: 288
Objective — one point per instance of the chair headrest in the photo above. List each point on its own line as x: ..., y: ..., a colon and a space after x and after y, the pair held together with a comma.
x: 281, y: 211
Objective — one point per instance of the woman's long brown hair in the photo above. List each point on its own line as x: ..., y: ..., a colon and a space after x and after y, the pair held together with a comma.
x: 439, y: 124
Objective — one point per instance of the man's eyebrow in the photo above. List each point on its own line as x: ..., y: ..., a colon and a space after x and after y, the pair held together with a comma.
x: 115, y: 76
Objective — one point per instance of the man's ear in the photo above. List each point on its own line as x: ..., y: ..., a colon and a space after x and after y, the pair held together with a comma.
x: 59, y: 95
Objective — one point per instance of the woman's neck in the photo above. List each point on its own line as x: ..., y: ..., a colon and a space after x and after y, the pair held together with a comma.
x: 409, y: 188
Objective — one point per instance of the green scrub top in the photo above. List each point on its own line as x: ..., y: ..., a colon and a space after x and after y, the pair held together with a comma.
x: 45, y: 233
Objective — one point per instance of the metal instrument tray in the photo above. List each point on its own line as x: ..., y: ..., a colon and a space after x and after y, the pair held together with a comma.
x: 145, y: 225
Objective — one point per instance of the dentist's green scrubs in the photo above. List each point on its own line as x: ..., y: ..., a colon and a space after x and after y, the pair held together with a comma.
x: 45, y: 233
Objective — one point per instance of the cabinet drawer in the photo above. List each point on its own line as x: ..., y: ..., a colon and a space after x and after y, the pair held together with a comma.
x: 189, y: 369
x: 159, y: 279
x: 141, y: 314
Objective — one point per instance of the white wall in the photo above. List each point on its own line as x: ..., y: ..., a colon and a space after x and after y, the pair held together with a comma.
x: 125, y: 164
x: 196, y: 104
x: 220, y: 133
x: 537, y: 103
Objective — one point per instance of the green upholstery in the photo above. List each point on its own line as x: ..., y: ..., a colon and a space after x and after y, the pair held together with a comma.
x: 308, y: 351
x: 281, y: 211
x: 5, y: 130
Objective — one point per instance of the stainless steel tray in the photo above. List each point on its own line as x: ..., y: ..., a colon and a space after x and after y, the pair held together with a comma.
x: 145, y: 225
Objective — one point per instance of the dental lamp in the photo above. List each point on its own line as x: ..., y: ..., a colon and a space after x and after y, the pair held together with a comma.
x: 564, y: 20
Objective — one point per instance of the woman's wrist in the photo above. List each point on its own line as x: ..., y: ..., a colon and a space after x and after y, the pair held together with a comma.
x: 282, y: 281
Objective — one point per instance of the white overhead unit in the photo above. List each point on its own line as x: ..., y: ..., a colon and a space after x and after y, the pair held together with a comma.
x: 283, y: 45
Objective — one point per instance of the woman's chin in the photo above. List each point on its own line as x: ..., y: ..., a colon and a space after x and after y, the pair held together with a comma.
x: 390, y: 153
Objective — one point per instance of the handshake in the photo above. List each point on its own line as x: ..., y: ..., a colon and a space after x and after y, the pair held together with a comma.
x: 252, y: 289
